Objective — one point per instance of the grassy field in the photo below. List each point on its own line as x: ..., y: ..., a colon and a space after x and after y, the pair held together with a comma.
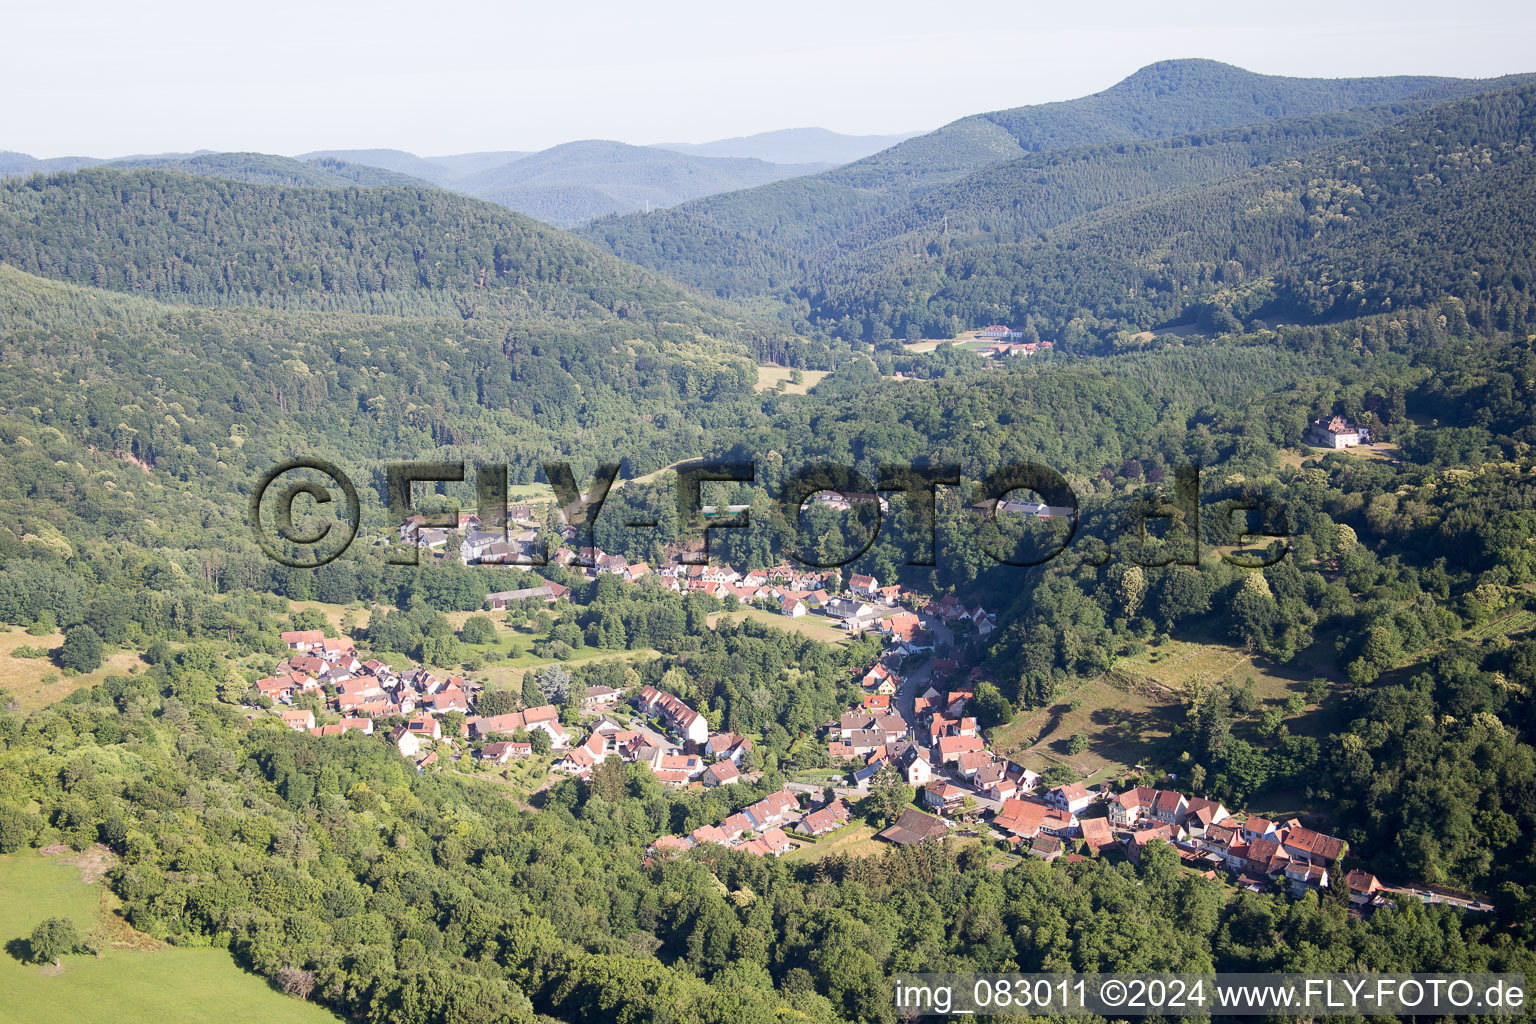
x: 770, y: 377
x: 36, y: 682
x: 1178, y: 665
x: 1128, y: 714
x: 135, y: 979
x: 1123, y: 728
x: 333, y: 612
x: 817, y: 627
x: 516, y: 780
x: 856, y: 839
x: 1382, y: 451
x: 503, y: 675
x: 969, y: 340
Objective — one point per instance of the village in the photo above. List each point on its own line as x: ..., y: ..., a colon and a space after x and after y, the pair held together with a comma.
x: 911, y: 724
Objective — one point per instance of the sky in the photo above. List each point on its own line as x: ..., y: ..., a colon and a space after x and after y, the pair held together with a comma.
x: 97, y: 78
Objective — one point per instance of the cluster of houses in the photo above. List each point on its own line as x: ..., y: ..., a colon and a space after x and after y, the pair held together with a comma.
x: 758, y: 828
x: 362, y: 692
x: 754, y: 829
x: 941, y: 752
x: 1008, y: 342
x: 938, y: 749
x: 697, y: 758
x: 1256, y: 851
x: 365, y: 691
x: 489, y: 547
x: 865, y: 606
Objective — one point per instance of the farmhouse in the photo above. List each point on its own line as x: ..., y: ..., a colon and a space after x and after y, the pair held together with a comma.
x: 1028, y: 818
x: 721, y: 773
x: 1128, y: 808
x: 600, y: 696
x: 505, y: 750
x: 867, y: 587
x: 914, y: 827
x: 773, y: 809
x: 303, y: 640
x: 677, y: 769
x: 1097, y: 833
x: 1336, y: 432
x: 943, y: 796
x: 580, y: 759
x: 548, y: 593
x: 1072, y: 798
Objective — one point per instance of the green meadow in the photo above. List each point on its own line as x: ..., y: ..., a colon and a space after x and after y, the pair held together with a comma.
x: 164, y: 984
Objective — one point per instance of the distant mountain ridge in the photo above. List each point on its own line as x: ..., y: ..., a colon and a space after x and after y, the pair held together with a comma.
x: 794, y: 146
x: 414, y: 250
x: 1436, y: 205
x: 576, y: 182
x: 566, y: 185
x: 255, y: 168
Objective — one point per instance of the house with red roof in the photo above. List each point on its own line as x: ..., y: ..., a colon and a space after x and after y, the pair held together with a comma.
x: 303, y: 639
x: 825, y: 819
x: 298, y: 719
x: 1072, y: 797
x: 721, y: 773
x: 683, y: 720
x: 951, y: 747
x: 1028, y: 818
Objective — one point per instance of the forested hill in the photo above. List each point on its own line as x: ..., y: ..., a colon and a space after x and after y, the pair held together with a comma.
x: 572, y: 183
x: 258, y: 168
x: 1020, y: 198
x: 758, y: 240
x: 266, y: 169
x: 404, y: 251
x: 1174, y: 97
x: 1436, y: 205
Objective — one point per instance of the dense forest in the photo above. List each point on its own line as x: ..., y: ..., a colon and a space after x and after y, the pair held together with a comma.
x: 770, y: 239
x: 1416, y: 209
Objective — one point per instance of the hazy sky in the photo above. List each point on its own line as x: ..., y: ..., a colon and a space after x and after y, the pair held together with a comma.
x: 106, y: 78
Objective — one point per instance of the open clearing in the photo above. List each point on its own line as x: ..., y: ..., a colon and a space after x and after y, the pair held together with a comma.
x: 1132, y: 710
x: 37, y: 682
x: 1381, y: 451
x: 770, y: 377
x: 135, y: 978
x: 970, y: 340
x: 1178, y: 665
x: 1122, y: 728
x: 817, y: 627
x: 856, y: 839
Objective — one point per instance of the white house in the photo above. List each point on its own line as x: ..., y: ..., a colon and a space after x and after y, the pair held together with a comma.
x: 1336, y: 432
x: 1072, y: 798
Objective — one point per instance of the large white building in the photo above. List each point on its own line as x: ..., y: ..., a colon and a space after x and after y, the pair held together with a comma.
x: 1337, y: 432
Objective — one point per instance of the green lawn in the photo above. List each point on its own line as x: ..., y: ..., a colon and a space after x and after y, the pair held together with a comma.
x: 817, y: 627
x: 166, y: 985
